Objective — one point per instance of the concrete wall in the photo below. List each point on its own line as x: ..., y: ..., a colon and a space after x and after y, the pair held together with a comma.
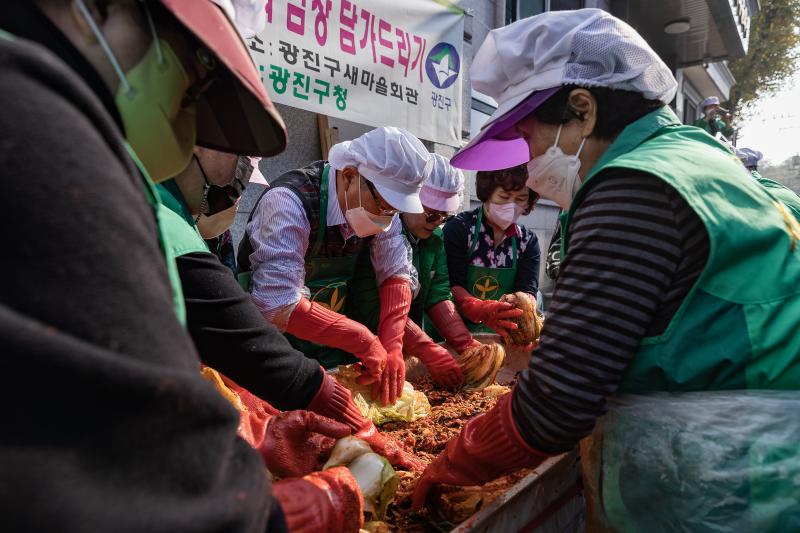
x: 303, y: 149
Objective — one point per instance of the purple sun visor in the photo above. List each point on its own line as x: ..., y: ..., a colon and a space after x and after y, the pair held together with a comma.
x: 498, y: 145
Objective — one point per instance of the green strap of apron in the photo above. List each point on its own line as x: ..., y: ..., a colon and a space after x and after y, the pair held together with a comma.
x: 160, y: 211
x: 477, y: 233
x: 323, y: 211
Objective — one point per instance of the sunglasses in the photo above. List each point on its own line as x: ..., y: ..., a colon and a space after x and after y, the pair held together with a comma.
x: 436, y: 217
x: 385, y: 209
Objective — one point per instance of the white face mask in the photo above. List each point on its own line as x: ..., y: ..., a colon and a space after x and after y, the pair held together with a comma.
x: 554, y: 175
x: 361, y: 221
x: 503, y: 215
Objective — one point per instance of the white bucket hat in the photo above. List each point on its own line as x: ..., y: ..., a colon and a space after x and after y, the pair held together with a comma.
x: 711, y: 100
x: 392, y: 159
x: 523, y: 64
x: 443, y: 186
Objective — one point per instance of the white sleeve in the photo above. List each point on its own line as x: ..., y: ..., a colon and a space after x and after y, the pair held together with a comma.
x: 279, y: 232
x: 392, y: 256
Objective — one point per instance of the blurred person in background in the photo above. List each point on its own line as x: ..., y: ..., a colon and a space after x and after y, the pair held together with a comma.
x: 750, y: 159
x: 715, y: 118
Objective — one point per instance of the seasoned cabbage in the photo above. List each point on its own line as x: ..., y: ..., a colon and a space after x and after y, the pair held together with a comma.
x: 530, y: 324
x: 481, y: 364
x: 410, y: 406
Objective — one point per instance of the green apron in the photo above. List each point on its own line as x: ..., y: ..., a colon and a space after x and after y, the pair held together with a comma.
x: 434, y: 285
x: 735, y: 331
x: 326, y: 278
x: 488, y: 283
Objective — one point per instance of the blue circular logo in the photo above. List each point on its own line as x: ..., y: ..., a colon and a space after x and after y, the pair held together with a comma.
x: 443, y: 65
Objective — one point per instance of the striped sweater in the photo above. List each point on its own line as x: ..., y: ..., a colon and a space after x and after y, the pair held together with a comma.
x: 635, y: 250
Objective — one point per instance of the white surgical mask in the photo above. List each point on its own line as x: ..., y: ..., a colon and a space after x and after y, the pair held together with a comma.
x: 361, y: 221
x: 503, y: 215
x: 554, y: 174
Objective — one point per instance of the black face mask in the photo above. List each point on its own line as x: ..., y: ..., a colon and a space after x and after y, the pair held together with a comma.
x: 218, y: 198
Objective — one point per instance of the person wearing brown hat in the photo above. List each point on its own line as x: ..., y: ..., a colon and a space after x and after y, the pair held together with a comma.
x: 119, y: 430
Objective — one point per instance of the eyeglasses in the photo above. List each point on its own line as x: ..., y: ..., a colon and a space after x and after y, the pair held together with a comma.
x: 437, y: 217
x: 383, y: 207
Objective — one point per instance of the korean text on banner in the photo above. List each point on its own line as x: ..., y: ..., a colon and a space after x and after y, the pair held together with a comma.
x: 375, y: 62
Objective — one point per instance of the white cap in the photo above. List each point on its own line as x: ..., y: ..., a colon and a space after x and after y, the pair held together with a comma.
x: 392, y: 159
x: 711, y: 100
x: 443, y: 186
x: 257, y: 176
x: 584, y: 47
x: 249, y: 16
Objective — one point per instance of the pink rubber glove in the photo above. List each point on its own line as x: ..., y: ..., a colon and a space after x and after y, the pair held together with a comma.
x: 297, y: 443
x: 451, y: 326
x: 444, y: 370
x: 313, y: 322
x: 329, y: 501
x: 492, y: 313
x: 395, y: 298
x: 489, y: 446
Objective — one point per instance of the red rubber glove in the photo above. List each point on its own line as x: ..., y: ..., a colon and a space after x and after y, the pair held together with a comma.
x: 299, y: 442
x: 395, y: 298
x: 492, y: 313
x: 488, y: 447
x: 444, y: 370
x: 334, y: 401
x: 327, y: 501
x: 451, y: 326
x: 313, y: 322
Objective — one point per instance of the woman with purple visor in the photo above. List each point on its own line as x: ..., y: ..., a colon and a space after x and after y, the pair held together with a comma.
x: 671, y: 339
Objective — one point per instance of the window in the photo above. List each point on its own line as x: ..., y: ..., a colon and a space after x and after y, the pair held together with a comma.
x: 520, y: 9
x: 560, y: 5
x: 529, y: 8
x: 689, y: 112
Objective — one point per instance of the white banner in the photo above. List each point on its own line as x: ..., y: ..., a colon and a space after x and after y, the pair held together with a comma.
x: 374, y: 62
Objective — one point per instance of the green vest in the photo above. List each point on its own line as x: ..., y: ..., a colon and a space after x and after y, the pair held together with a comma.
x: 718, y: 126
x: 737, y: 327
x: 682, y: 462
x: 184, y: 238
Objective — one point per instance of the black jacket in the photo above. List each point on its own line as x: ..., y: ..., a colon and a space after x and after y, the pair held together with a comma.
x: 107, y: 423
